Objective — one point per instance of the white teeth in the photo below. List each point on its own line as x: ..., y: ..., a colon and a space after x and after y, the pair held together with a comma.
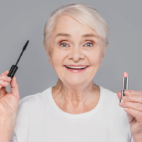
x: 77, y: 67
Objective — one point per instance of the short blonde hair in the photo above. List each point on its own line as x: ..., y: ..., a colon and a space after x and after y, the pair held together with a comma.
x: 84, y: 14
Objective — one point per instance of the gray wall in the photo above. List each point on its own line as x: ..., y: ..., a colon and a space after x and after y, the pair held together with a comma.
x: 24, y: 20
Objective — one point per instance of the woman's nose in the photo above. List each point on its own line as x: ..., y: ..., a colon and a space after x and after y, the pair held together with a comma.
x: 76, y: 53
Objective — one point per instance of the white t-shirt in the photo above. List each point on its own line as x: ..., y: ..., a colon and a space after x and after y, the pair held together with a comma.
x: 39, y: 119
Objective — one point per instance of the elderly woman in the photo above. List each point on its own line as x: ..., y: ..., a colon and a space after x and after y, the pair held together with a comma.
x: 76, y: 109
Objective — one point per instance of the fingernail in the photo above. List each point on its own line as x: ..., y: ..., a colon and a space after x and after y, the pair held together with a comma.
x: 126, y: 108
x: 126, y: 91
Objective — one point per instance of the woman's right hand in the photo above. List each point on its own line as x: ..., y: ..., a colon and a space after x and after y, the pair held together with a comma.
x: 8, y: 101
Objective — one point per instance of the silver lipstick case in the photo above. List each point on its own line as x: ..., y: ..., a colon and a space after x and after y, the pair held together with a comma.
x: 124, y: 87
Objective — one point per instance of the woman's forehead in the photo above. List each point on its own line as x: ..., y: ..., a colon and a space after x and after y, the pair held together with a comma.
x: 68, y: 26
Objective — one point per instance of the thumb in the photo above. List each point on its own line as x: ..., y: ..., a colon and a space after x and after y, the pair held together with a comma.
x: 14, y: 87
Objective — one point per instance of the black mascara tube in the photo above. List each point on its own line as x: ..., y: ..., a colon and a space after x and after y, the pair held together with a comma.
x: 14, y: 68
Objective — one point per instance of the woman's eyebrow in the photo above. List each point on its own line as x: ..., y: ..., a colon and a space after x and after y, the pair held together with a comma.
x: 68, y: 35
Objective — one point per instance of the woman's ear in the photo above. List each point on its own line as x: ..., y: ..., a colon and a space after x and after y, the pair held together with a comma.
x: 47, y: 53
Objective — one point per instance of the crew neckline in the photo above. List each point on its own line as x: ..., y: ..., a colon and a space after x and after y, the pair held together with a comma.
x: 76, y: 116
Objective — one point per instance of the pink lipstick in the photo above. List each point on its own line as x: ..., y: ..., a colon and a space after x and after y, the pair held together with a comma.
x: 124, y: 85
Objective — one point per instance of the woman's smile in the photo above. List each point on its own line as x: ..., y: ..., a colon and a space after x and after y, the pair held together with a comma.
x: 76, y: 69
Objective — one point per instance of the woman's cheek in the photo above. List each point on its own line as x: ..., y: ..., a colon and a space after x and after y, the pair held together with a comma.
x: 57, y: 58
x: 94, y: 57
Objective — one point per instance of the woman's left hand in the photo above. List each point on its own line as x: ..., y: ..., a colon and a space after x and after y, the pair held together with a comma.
x: 133, y: 102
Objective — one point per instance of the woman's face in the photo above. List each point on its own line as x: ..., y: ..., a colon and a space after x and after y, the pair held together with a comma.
x: 72, y: 43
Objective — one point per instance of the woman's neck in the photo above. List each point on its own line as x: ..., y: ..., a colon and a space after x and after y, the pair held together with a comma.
x: 76, y: 99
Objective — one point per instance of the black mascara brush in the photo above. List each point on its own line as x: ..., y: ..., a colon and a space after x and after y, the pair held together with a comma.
x: 14, y: 68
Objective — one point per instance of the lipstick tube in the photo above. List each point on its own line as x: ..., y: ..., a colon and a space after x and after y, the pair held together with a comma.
x: 124, y: 85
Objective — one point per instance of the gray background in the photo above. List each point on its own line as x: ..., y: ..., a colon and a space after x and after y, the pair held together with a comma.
x: 24, y: 20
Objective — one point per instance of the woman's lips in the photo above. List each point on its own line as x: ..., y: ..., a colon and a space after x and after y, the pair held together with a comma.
x: 76, y: 70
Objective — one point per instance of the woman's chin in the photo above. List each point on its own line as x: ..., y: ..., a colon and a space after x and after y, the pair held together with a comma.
x: 76, y: 82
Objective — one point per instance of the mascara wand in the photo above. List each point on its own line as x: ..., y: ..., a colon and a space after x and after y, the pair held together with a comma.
x: 14, y: 68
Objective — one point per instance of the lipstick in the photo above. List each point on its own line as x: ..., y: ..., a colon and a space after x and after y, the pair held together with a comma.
x: 124, y: 85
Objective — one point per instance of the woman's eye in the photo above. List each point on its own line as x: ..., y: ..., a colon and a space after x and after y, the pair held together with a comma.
x: 89, y: 43
x: 63, y: 44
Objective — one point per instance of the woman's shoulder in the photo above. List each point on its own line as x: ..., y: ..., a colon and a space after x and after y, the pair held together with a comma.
x: 31, y: 109
x: 110, y: 97
x: 111, y: 104
x: 36, y: 98
x: 108, y: 92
